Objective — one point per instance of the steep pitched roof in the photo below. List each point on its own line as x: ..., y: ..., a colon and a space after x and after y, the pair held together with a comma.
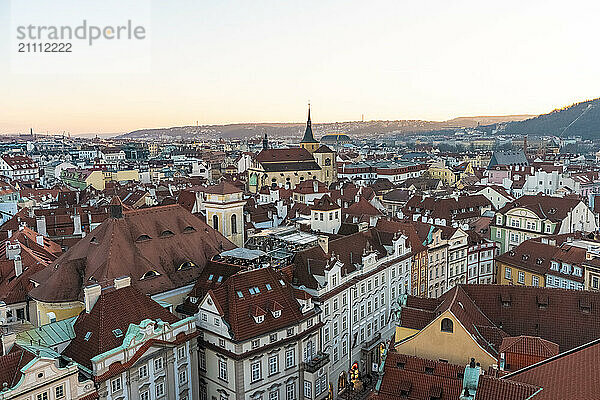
x: 569, y: 375
x: 349, y: 249
x: 362, y: 208
x: 106, y: 316
x: 546, y: 207
x: 414, y: 378
x: 167, y: 240
x: 11, y: 364
x: 274, y: 294
x: 529, y: 345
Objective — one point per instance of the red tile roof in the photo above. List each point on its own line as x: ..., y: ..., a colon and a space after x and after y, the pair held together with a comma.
x: 11, y: 364
x: 570, y: 375
x: 161, y: 239
x: 529, y: 345
x: 239, y: 311
x: 106, y: 316
x: 414, y: 378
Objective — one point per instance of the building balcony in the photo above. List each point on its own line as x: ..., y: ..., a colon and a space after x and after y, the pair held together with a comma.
x: 318, y: 361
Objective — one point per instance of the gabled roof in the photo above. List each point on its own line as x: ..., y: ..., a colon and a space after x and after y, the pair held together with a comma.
x: 324, y: 204
x: 555, y: 209
x: 414, y: 378
x: 239, y: 302
x: 530, y: 346
x: 362, y: 208
x: 11, y: 365
x: 314, y: 260
x: 106, y: 316
x: 295, y: 154
x: 569, y: 375
x: 167, y: 240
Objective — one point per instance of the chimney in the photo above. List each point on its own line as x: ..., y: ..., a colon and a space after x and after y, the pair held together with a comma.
x: 18, y: 266
x: 77, y: 224
x: 121, y: 282
x: 324, y: 243
x: 13, y: 250
x: 91, y: 294
x: 41, y: 225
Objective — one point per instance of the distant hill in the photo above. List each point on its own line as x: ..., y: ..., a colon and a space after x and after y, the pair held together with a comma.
x: 356, y: 129
x: 580, y: 119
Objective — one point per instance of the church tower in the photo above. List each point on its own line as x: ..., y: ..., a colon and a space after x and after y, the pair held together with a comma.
x: 308, y: 141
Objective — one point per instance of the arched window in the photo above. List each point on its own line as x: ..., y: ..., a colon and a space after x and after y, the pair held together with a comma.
x: 234, y: 224
x: 447, y: 325
x: 216, y: 222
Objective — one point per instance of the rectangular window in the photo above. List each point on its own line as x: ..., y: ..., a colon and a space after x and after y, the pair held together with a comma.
x: 326, y: 311
x: 344, y: 347
x: 115, y: 385
x: 202, y: 360
x: 290, y: 391
x: 335, y: 329
x: 521, y: 277
x: 362, y: 311
x: 290, y: 358
x: 273, y: 337
x: 255, y: 343
x: 335, y: 304
x: 160, y: 389
x: 222, y: 342
x: 507, y: 273
x: 535, y: 281
x: 42, y: 396
x: 59, y: 391
x: 255, y: 373
x: 344, y: 322
x: 273, y: 365
x: 274, y: 394
x: 222, y: 369
x: 307, y: 389
x: 182, y: 377
x: 290, y: 332
x: 143, y: 371
x: 158, y: 364
x: 326, y: 334
x: 145, y: 395
x: 180, y: 352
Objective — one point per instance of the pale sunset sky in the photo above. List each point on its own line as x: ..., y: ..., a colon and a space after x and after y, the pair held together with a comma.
x: 261, y: 61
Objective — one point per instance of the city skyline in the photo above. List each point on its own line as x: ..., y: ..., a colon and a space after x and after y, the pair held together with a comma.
x: 234, y: 62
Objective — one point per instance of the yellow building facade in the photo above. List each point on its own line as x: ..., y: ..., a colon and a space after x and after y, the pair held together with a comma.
x: 437, y: 342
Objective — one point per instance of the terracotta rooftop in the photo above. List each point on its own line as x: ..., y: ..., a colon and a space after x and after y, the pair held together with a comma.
x: 161, y: 248
x: 106, y: 317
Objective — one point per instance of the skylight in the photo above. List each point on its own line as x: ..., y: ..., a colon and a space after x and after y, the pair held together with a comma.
x: 268, y: 286
x: 240, y: 294
x: 210, y: 277
x: 282, y: 282
x: 220, y: 278
x: 87, y: 336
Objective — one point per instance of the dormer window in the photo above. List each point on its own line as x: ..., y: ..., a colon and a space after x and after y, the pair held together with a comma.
x: 259, y: 319
x: 186, y: 265
x: 277, y: 314
x: 189, y: 229
x: 150, y: 274
x: 118, y: 333
x: 166, y: 233
x: 143, y: 238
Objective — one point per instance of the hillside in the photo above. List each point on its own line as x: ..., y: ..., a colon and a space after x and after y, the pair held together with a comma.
x: 356, y: 129
x: 581, y: 119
